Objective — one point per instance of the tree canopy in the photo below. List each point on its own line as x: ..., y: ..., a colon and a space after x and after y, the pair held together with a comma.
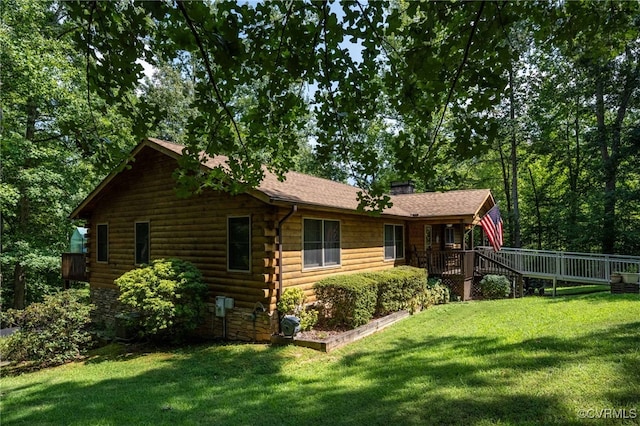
x: 536, y: 100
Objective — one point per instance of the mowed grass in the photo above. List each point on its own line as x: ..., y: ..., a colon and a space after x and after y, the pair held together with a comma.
x: 536, y: 360
x: 577, y: 289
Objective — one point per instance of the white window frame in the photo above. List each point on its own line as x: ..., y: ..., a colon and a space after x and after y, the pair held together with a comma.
x: 135, y: 242
x: 98, y: 225
x: 245, y: 271
x: 323, y: 264
x: 395, y: 245
x: 447, y: 230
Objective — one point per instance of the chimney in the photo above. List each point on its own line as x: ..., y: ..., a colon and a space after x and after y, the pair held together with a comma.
x: 399, y: 188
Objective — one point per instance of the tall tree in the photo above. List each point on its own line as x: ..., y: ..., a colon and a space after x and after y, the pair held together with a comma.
x: 53, y: 145
x: 602, y: 42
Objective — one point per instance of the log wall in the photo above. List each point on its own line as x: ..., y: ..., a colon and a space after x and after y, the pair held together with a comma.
x: 193, y: 229
x: 361, y: 242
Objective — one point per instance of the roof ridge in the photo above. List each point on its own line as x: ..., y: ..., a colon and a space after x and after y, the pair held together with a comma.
x: 304, y: 188
x: 156, y: 140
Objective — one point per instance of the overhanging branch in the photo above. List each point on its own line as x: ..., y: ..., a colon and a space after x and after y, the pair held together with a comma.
x: 457, y: 75
x: 207, y: 63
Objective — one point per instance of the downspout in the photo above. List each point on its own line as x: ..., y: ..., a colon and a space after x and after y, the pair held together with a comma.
x: 294, y: 209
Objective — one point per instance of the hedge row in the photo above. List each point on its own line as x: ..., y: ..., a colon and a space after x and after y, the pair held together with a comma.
x: 348, y: 299
x: 352, y: 300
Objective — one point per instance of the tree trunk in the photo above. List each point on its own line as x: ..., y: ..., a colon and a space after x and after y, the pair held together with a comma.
x: 609, y: 204
x: 19, y: 274
x: 507, y: 192
x: 574, y: 165
x: 515, y: 239
x: 19, y: 287
x: 538, y: 218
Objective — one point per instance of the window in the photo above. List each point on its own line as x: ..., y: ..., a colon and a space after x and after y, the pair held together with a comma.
x: 102, y: 243
x: 321, y: 243
x: 239, y: 243
x: 142, y: 243
x: 393, y: 242
x: 449, y: 235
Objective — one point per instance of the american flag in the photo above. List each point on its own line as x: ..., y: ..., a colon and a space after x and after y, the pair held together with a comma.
x: 492, y: 225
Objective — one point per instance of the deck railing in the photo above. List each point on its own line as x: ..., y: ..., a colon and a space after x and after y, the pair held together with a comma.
x: 563, y: 266
x: 438, y: 263
x: 462, y: 269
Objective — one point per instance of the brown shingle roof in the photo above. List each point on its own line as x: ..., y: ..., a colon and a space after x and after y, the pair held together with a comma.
x: 299, y: 188
x: 437, y: 204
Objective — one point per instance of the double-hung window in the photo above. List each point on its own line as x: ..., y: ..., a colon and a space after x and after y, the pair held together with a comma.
x: 393, y: 242
x: 321, y: 243
x: 142, y: 243
x: 239, y: 244
x: 449, y: 236
x: 102, y: 242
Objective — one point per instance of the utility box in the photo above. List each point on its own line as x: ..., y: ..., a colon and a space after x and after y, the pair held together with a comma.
x: 228, y: 303
x: 290, y: 325
x: 222, y: 304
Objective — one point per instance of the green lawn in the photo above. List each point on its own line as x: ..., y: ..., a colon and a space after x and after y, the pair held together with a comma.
x: 535, y: 360
x: 577, y: 289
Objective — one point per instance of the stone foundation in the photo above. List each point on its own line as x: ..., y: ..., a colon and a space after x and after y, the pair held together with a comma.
x: 240, y: 324
x: 243, y: 324
x: 107, y: 307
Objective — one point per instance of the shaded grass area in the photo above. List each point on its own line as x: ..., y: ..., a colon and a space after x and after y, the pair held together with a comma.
x: 525, y: 361
x: 578, y: 289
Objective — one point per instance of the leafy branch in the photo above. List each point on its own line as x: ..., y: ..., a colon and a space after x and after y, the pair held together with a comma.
x: 465, y: 57
x: 209, y: 68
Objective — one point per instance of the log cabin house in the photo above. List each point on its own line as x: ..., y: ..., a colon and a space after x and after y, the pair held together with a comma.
x: 252, y: 246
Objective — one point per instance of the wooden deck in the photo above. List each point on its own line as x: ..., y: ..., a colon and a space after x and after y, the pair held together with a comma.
x: 462, y: 270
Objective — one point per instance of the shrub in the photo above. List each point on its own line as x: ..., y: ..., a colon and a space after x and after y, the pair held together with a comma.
x: 51, y: 332
x: 436, y: 293
x: 399, y: 288
x: 348, y: 300
x: 167, y: 296
x: 292, y: 303
x: 495, y: 287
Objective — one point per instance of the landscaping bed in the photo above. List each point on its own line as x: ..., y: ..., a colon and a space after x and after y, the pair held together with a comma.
x: 326, y: 339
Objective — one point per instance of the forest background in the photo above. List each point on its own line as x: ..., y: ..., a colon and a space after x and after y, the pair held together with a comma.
x: 538, y: 101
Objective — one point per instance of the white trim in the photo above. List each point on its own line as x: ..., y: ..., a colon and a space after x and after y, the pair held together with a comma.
x: 98, y: 245
x: 244, y: 271
x: 323, y: 265
x: 135, y: 241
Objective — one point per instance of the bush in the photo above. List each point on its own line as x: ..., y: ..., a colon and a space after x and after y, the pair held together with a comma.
x: 292, y: 303
x: 167, y: 297
x: 436, y: 293
x: 348, y: 300
x: 495, y: 287
x: 399, y: 288
x: 51, y: 332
